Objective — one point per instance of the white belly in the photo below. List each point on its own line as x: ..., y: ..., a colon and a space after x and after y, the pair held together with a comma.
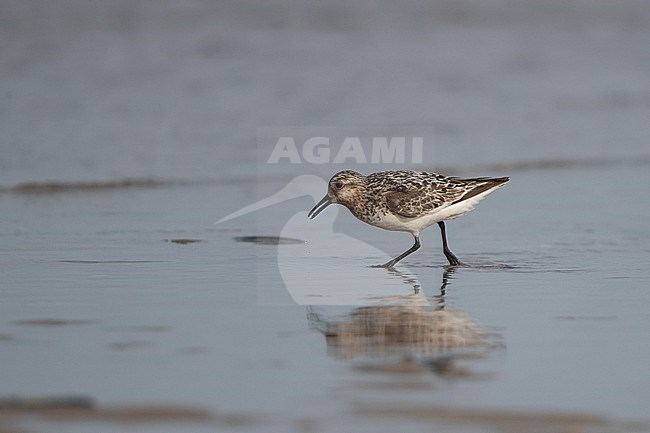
x: 416, y: 225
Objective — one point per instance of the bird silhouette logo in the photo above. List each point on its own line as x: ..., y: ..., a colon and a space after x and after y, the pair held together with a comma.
x: 325, y: 268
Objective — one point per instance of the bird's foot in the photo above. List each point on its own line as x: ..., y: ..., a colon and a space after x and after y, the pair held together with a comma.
x: 387, y: 265
x: 453, y: 260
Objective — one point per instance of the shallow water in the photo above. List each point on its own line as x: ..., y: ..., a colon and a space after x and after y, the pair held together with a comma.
x: 128, y: 129
x: 97, y: 302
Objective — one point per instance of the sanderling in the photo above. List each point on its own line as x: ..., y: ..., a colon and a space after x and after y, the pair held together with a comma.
x: 407, y: 201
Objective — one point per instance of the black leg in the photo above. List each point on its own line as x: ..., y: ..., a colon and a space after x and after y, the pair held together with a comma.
x: 446, y: 276
x: 413, y: 249
x: 445, y: 249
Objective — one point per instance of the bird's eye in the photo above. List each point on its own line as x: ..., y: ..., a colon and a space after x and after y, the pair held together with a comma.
x: 338, y: 185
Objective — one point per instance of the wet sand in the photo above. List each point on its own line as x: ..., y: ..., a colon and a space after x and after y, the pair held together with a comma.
x: 547, y: 309
x: 127, y: 129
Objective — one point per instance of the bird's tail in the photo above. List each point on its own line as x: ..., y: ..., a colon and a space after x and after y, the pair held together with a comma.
x: 483, y: 184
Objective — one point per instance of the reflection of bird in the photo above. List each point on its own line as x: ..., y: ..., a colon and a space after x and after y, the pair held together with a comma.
x: 407, y: 201
x: 405, y: 328
x: 406, y: 337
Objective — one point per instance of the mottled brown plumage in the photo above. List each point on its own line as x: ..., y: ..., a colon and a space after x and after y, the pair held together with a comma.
x: 407, y: 200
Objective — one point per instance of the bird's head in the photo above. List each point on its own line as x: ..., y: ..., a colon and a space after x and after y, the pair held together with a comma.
x: 343, y: 188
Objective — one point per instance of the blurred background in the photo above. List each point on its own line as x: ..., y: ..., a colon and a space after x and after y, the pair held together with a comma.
x: 169, y: 89
x: 127, y: 127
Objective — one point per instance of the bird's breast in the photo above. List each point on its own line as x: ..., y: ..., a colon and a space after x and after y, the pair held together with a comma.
x: 380, y: 216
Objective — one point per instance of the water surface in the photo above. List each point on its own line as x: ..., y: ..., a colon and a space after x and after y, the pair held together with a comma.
x: 128, y: 129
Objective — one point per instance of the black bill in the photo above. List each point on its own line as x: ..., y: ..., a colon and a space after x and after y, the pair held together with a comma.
x: 326, y: 201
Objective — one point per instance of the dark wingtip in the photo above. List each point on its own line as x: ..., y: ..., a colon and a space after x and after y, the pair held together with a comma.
x: 489, y: 183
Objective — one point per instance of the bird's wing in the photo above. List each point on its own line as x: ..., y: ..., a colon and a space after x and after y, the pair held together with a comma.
x: 414, y: 199
x: 417, y: 200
